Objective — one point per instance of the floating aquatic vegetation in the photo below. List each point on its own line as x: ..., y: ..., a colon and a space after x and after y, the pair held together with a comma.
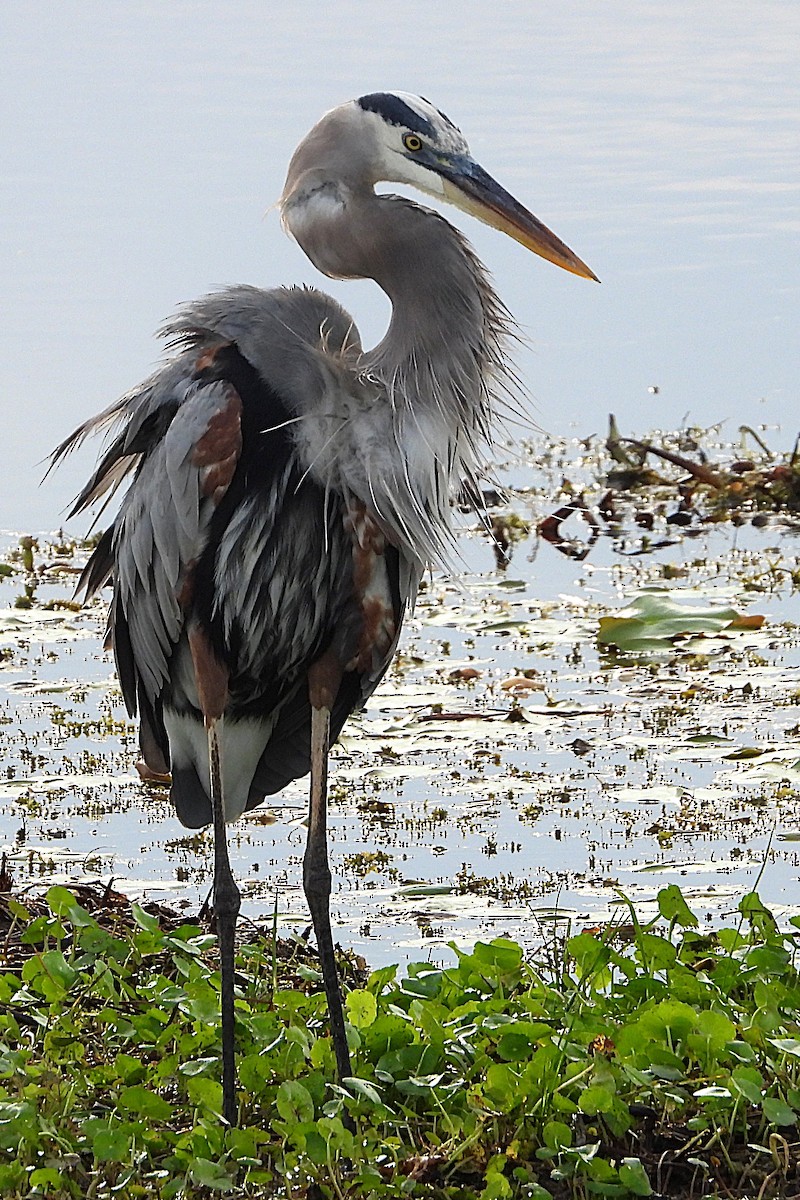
x: 503, y: 710
x: 656, y: 619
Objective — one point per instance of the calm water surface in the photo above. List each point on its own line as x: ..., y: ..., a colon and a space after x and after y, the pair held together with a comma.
x: 142, y: 144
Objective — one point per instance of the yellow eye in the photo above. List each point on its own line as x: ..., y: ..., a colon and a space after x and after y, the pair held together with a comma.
x: 412, y: 142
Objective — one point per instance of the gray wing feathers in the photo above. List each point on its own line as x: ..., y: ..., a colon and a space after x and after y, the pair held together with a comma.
x: 161, y: 532
x: 281, y: 331
x: 146, y: 412
x: 162, y: 524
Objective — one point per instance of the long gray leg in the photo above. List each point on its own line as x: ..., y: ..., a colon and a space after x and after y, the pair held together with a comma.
x: 317, y: 875
x: 227, y: 901
x: 211, y: 677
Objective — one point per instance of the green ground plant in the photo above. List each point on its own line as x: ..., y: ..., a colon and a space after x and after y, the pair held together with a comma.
x: 644, y: 1059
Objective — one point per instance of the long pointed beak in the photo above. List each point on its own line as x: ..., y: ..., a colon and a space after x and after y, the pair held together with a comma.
x: 472, y: 189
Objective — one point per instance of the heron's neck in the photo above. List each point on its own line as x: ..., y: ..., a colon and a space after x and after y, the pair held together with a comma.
x: 437, y: 367
x: 446, y: 323
x: 448, y: 328
x: 442, y: 362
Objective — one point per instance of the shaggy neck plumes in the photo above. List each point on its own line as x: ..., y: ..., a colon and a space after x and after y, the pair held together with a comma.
x: 440, y: 363
x: 445, y: 340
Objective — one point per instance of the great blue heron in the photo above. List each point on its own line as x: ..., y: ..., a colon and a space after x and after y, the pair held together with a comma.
x: 289, y: 488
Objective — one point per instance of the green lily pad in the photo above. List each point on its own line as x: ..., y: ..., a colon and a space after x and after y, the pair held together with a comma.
x: 656, y: 619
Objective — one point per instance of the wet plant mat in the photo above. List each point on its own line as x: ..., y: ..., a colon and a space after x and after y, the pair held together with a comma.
x: 633, y: 1060
x: 31, y: 918
x: 611, y: 709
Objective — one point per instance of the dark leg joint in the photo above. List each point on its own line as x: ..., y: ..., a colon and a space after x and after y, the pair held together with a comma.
x: 316, y: 883
x: 227, y: 900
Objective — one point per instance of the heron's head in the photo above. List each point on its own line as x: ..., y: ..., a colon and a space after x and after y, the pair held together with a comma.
x: 421, y: 146
x: 396, y: 137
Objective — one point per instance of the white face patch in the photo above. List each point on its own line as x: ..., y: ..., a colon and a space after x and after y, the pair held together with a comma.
x: 396, y: 164
x: 400, y: 169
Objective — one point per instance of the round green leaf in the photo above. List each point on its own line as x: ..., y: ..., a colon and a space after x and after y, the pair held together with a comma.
x: 46, y: 1178
x: 145, y: 920
x: 60, y: 901
x: 748, y: 1081
x: 777, y: 1111
x: 557, y: 1134
x: 672, y: 906
x: 362, y: 1008
x: 141, y: 1100
x: 634, y: 1176
x: 111, y: 1145
x: 294, y: 1102
x: 595, y: 1099
x: 59, y: 969
x: 362, y: 1087
x: 205, y: 1093
x: 211, y: 1175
